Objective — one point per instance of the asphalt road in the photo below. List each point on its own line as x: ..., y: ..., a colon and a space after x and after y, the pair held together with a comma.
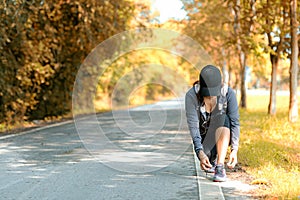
x: 141, y: 153
x: 58, y: 162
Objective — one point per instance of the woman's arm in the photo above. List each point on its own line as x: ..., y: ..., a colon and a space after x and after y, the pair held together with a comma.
x: 233, y: 114
x: 191, y: 105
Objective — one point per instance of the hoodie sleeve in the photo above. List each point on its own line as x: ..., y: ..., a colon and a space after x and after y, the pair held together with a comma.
x: 233, y: 114
x: 191, y: 106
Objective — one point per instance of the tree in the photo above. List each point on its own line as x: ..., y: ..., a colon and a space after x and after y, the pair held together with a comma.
x: 272, y: 18
x: 43, y: 44
x: 212, y: 17
x: 230, y: 25
x: 244, y: 30
x: 236, y: 7
x: 293, y: 107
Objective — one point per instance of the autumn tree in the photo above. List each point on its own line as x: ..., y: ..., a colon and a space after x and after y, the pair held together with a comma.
x: 209, y: 24
x: 225, y: 29
x: 43, y: 44
x: 293, y: 107
x: 207, y: 28
x: 244, y: 14
x: 272, y: 19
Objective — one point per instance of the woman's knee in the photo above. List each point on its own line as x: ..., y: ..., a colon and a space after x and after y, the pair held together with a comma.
x: 222, y: 133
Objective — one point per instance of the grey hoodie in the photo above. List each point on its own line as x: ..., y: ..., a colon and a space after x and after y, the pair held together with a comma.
x: 192, y: 114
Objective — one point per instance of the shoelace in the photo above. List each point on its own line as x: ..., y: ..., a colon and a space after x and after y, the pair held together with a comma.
x: 219, y: 169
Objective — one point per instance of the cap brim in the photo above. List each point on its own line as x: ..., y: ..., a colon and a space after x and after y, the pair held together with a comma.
x: 215, y: 91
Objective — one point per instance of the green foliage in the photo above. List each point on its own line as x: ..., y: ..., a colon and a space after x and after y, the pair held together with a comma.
x: 42, y: 45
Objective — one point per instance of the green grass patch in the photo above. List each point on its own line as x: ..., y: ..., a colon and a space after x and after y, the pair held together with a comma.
x: 270, y: 147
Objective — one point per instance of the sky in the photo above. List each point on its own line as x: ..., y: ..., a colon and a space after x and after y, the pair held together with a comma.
x: 169, y: 9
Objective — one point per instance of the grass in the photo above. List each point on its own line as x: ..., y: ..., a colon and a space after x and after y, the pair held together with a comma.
x: 270, y: 148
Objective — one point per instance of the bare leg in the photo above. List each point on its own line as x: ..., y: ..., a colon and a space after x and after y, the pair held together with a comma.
x: 222, y: 140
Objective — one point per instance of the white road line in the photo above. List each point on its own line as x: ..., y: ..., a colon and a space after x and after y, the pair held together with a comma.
x: 217, y: 194
x: 197, y: 173
x: 35, y: 129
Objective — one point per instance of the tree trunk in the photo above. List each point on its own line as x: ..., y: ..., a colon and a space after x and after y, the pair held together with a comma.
x: 273, y: 86
x: 229, y: 70
x: 224, y: 68
x: 243, y: 61
x: 293, y: 107
x: 241, y: 52
x: 237, y: 81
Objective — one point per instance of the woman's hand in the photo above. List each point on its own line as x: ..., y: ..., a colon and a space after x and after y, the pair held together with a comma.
x: 204, y: 161
x: 232, y: 159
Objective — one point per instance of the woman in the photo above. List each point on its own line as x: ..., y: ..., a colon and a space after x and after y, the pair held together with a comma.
x: 213, y: 120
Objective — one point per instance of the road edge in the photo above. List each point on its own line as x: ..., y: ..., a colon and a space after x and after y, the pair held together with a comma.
x: 35, y: 129
x: 213, y: 193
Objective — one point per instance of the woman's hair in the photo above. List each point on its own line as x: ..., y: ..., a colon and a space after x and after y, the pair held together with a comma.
x: 199, y: 97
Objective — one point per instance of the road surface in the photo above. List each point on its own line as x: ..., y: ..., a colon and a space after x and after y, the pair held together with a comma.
x: 141, y: 153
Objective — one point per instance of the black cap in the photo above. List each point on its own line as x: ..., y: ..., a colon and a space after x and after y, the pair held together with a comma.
x: 210, y: 81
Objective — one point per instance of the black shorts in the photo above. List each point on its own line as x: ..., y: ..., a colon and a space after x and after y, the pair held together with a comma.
x: 220, y: 121
x: 209, y: 139
x: 215, y: 123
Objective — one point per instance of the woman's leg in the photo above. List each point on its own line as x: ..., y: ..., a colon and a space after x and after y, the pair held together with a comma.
x: 222, y: 141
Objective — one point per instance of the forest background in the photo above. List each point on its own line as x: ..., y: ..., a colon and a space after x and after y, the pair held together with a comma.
x: 43, y: 44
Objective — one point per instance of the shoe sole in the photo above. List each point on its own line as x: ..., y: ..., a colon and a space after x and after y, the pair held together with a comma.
x: 219, y: 180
